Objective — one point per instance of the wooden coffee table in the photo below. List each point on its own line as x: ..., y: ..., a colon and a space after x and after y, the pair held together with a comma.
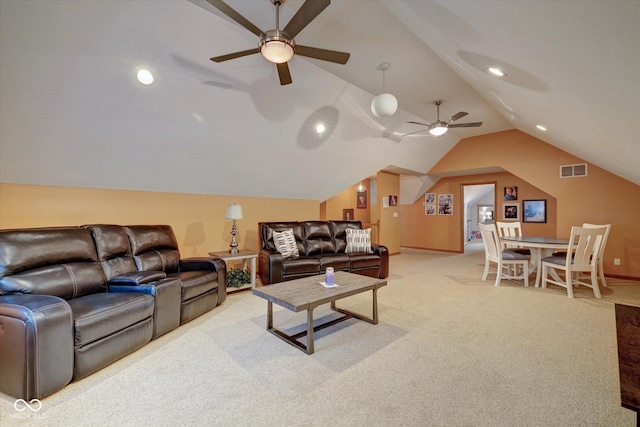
x: 308, y: 293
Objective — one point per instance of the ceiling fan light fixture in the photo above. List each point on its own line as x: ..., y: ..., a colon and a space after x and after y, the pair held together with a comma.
x: 438, y: 128
x: 276, y: 47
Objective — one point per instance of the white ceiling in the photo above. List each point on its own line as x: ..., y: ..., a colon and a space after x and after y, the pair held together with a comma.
x: 72, y: 114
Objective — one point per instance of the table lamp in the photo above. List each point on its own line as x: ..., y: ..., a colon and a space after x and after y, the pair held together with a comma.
x: 234, y: 212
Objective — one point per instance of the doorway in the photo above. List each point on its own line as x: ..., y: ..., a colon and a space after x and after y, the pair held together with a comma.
x: 479, y: 208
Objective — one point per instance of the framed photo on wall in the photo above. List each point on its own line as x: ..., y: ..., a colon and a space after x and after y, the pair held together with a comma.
x: 511, y: 211
x: 429, y: 209
x: 445, y: 204
x: 347, y: 215
x: 361, y: 200
x: 429, y: 198
x: 510, y: 193
x: 534, y: 211
x: 393, y: 200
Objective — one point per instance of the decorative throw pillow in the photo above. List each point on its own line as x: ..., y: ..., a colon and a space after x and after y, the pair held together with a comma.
x: 285, y: 243
x: 358, y: 241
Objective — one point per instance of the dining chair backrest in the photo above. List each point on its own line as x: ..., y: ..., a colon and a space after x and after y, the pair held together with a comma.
x: 491, y: 241
x: 509, y: 228
x: 603, y: 243
x: 588, y: 241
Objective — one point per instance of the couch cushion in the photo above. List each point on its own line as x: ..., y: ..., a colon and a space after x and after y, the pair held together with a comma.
x: 267, y: 229
x: 285, y: 243
x: 154, y: 247
x: 61, y: 280
x: 338, y: 262
x: 340, y: 235
x: 358, y: 241
x: 114, y: 249
x: 196, y: 283
x: 301, y: 266
x: 364, y: 260
x: 318, y: 238
x: 99, y: 315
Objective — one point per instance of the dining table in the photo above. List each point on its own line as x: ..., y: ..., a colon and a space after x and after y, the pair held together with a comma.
x: 537, y: 244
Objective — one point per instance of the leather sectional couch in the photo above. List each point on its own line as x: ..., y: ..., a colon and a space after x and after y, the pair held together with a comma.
x: 321, y: 244
x: 75, y: 299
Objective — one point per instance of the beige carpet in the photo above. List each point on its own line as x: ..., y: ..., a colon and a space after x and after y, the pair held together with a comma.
x: 450, y: 350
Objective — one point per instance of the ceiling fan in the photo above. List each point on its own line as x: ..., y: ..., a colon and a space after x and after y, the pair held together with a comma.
x: 439, y: 128
x: 277, y: 45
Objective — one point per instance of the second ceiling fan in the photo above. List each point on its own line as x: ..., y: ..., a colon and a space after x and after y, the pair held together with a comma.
x: 439, y: 128
x: 277, y: 45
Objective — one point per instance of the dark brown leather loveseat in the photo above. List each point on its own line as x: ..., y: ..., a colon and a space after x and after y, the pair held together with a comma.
x: 75, y: 299
x: 321, y: 244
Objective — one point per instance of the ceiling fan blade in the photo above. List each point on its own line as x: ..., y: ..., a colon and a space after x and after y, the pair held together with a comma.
x: 466, y: 125
x: 455, y: 117
x: 307, y: 13
x: 418, y: 123
x: 235, y: 55
x: 284, y: 74
x: 231, y: 13
x: 323, y: 54
x: 412, y: 133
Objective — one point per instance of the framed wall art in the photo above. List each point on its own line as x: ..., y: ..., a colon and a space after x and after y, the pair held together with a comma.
x: 511, y: 211
x: 510, y: 193
x: 347, y: 214
x: 361, y: 200
x: 445, y: 204
x: 534, y: 211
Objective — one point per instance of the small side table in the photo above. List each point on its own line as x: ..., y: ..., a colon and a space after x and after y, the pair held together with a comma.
x: 244, y: 255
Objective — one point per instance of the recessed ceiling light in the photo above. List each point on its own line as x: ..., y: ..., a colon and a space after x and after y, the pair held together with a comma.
x: 542, y: 128
x: 496, y: 71
x: 145, y: 76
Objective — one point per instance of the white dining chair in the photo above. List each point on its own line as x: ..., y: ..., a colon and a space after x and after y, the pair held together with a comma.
x: 512, y: 228
x: 504, y: 260
x: 584, y: 259
x: 603, y: 243
x: 600, y: 253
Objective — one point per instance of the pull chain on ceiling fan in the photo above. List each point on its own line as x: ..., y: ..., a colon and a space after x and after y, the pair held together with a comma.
x: 278, y: 46
x: 439, y: 128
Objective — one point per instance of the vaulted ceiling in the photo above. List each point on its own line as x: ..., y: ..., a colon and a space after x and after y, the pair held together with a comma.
x: 72, y: 113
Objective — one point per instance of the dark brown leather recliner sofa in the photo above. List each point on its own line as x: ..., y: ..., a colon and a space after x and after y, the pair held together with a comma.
x: 321, y: 244
x: 75, y: 299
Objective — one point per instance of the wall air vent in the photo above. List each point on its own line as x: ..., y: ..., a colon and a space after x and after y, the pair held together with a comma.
x: 573, y: 171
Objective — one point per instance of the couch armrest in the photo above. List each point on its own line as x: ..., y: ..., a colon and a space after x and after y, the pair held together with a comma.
x: 36, y: 343
x: 209, y: 264
x: 167, y: 295
x: 137, y: 278
x: 270, y: 266
x: 383, y: 253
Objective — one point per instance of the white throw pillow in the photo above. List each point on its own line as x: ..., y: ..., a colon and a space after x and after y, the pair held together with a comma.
x: 358, y: 241
x: 285, y: 243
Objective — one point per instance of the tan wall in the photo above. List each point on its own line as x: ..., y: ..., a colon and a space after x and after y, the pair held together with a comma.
x: 444, y: 233
x: 389, y: 184
x: 599, y: 198
x: 197, y: 220
x: 333, y: 207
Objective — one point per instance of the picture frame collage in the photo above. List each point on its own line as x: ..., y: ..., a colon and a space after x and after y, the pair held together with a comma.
x: 534, y: 210
x: 438, y: 204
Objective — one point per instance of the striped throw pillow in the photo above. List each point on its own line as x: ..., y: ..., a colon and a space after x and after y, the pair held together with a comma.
x: 285, y: 243
x: 358, y: 241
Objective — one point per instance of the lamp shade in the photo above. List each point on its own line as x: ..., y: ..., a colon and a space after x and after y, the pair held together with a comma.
x: 234, y: 211
x: 384, y: 105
